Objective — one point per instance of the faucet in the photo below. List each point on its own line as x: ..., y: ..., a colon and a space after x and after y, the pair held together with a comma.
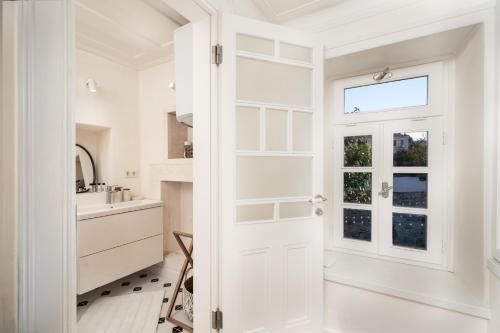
x: 109, y: 194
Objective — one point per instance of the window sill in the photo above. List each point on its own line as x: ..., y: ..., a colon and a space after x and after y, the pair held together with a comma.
x: 427, y: 286
x: 494, y: 267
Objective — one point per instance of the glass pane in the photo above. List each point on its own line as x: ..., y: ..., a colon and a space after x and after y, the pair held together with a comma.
x: 290, y: 210
x: 410, y: 149
x: 276, y: 130
x: 358, y: 224
x: 409, y: 230
x: 410, y: 190
x: 254, y: 44
x: 358, y: 151
x: 358, y: 187
x: 295, y: 52
x: 387, y: 95
x: 260, y: 212
x: 271, y: 82
x: 302, y: 131
x: 273, y: 177
x: 247, y: 128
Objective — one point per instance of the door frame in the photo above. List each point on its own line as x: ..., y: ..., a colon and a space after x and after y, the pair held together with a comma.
x: 47, y: 262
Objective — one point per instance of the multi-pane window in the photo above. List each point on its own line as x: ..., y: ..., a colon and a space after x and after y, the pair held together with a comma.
x: 389, y: 199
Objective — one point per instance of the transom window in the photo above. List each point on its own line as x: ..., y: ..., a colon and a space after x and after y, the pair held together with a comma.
x: 388, y: 175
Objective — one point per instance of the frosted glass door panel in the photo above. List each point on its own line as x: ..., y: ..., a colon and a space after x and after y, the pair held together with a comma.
x: 302, y: 131
x: 276, y: 130
x: 273, y: 177
x: 258, y: 212
x: 247, y: 128
x: 272, y: 82
x: 254, y: 44
x: 295, y: 52
x: 290, y: 210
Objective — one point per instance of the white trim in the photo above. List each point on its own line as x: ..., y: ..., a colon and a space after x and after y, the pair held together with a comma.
x: 447, y: 291
x: 494, y: 267
x: 476, y: 311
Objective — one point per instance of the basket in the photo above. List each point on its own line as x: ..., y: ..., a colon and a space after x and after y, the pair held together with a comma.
x: 187, y: 294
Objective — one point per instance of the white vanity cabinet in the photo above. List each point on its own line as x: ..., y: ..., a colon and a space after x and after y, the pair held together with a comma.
x: 117, y: 240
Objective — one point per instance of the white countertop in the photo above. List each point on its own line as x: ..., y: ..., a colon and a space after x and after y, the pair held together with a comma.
x: 86, y: 212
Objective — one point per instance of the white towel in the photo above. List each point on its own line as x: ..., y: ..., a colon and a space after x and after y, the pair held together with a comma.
x: 133, y: 313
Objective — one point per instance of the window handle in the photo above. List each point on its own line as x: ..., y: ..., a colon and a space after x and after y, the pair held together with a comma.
x: 385, y: 190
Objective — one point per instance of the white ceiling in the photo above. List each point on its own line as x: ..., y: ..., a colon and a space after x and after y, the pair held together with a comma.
x: 283, y: 10
x: 419, y: 50
x: 137, y: 33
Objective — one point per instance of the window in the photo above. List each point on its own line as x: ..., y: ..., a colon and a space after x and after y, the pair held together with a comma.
x: 386, y: 95
x: 389, y: 175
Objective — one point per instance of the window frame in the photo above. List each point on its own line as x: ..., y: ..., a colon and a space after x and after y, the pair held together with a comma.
x: 437, y: 107
x: 435, y: 102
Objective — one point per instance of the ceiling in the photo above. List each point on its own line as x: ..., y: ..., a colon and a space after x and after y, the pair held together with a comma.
x: 283, y: 10
x: 136, y: 33
x: 419, y: 50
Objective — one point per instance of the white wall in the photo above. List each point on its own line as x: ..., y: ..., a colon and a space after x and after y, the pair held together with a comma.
x: 469, y: 162
x: 495, y: 304
x: 115, y: 105
x: 354, y: 310
x: 156, y: 99
x: 8, y: 174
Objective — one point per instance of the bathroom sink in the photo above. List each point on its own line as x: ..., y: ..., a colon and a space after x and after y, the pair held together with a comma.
x: 93, y: 211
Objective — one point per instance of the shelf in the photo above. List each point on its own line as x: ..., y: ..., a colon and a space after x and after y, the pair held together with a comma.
x: 173, y: 170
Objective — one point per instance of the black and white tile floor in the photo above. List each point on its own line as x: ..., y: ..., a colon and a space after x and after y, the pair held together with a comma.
x: 151, y: 279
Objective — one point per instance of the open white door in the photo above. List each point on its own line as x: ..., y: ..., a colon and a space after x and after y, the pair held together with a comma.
x: 272, y: 178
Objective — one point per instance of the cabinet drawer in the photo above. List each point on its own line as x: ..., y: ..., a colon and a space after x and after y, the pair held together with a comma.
x: 103, y: 233
x: 102, y: 268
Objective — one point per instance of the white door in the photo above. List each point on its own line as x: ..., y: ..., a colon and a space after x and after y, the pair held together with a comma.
x: 271, y: 164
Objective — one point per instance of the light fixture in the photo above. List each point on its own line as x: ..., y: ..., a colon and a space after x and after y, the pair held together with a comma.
x: 385, y: 74
x: 171, y: 85
x: 91, y: 85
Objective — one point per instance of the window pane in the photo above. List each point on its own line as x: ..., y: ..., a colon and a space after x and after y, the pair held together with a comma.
x: 276, y: 130
x: 302, y: 131
x: 254, y: 44
x: 247, y: 128
x: 258, y: 212
x: 289, y: 210
x: 409, y: 230
x: 410, y: 190
x: 273, y: 83
x: 295, y: 52
x: 358, y: 224
x: 273, y: 177
x: 358, y: 187
x: 385, y: 96
x: 410, y: 149
x: 358, y: 151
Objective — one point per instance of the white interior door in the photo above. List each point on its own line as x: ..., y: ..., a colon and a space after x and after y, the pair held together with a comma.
x: 271, y: 162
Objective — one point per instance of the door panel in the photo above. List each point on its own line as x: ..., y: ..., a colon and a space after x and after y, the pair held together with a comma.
x: 271, y: 161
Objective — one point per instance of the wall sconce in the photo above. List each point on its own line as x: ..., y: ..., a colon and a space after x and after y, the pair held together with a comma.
x: 91, y: 85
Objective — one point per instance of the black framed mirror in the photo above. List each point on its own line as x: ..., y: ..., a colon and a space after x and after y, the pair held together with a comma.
x: 84, y: 169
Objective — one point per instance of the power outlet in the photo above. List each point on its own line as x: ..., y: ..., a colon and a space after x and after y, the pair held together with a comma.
x: 130, y: 174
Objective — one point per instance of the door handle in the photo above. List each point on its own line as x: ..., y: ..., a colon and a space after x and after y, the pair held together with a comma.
x: 317, y: 199
x: 385, y: 190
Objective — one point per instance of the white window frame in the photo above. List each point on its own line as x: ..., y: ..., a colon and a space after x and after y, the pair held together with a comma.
x: 435, y: 106
x: 369, y: 124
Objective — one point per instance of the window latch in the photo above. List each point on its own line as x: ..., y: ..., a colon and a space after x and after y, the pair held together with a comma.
x: 385, y: 190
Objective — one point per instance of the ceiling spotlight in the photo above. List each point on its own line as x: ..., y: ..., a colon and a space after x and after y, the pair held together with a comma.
x: 385, y: 74
x: 91, y: 85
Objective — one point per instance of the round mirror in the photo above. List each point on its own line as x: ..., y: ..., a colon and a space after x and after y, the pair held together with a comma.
x: 85, y: 169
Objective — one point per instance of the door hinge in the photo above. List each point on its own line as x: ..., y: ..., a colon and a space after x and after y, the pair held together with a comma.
x: 217, y: 320
x: 217, y: 54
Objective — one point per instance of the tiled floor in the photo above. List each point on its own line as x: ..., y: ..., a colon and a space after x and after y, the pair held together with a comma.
x: 150, y: 279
